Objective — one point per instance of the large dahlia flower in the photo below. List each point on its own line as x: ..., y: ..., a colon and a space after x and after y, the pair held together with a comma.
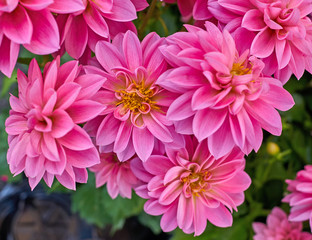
x: 189, y: 186
x: 224, y: 96
x: 135, y: 116
x: 279, y: 228
x: 27, y: 22
x: 99, y: 20
x: 280, y: 32
x: 300, y: 198
x: 117, y: 176
x: 45, y: 139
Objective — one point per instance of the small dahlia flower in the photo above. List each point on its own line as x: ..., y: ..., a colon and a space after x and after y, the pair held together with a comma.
x: 26, y: 22
x: 45, y: 139
x: 117, y: 176
x: 300, y: 198
x: 189, y: 186
x: 224, y: 96
x: 135, y: 116
x: 198, y: 9
x: 99, y: 20
x: 280, y: 32
x: 279, y: 228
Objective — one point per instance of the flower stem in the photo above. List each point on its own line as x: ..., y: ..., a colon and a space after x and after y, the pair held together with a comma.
x: 146, y: 18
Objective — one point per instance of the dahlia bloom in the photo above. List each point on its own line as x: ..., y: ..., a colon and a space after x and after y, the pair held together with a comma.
x: 224, y: 96
x: 118, y: 175
x: 30, y: 23
x: 300, y: 198
x: 135, y: 116
x: 280, y: 32
x: 189, y: 186
x: 45, y: 139
x: 99, y: 20
x: 279, y: 228
x: 198, y: 9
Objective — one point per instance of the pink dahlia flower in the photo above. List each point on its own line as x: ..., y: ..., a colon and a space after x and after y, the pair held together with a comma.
x: 224, y: 96
x: 99, y: 20
x: 135, y: 116
x: 118, y: 175
x: 198, y: 9
x: 189, y: 186
x: 280, y: 32
x: 45, y: 139
x: 300, y: 198
x: 279, y: 228
x: 29, y: 22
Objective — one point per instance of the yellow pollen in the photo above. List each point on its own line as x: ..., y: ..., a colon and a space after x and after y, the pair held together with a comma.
x: 200, y: 184
x: 239, y: 69
x: 138, y: 98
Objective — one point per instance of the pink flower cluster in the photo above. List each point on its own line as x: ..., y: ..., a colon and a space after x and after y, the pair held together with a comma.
x: 169, y: 117
x: 300, y: 198
x: 32, y: 23
x: 278, y: 228
x: 189, y: 186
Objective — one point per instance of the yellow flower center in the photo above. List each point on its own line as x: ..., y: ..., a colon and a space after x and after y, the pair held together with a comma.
x: 137, y: 98
x: 197, y: 182
x: 239, y: 69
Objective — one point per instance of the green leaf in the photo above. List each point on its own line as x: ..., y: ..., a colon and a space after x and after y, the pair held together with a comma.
x: 7, y: 83
x: 97, y: 207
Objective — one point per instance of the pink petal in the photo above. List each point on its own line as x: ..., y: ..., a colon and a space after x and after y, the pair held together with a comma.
x: 67, y: 179
x: 168, y: 221
x: 221, y: 142
x: 62, y: 123
x: 17, y: 25
x: 45, y: 38
x: 266, y: 115
x: 107, y: 131
x: 207, y: 121
x: 181, y: 108
x: 123, y: 136
x: 82, y: 159
x: 76, y: 139
x: 84, y: 110
x: 67, y: 94
x: 171, y: 192
x: 8, y: 57
x: 157, y: 165
x: 36, y: 5
x: 200, y: 10
x: 283, y: 53
x: 253, y: 20
x: 90, y: 84
x: 200, y: 220
x: 95, y: 21
x: 279, y: 98
x: 221, y: 217
x: 108, y: 56
x: 263, y: 44
x: 155, y: 126
x: 152, y: 207
x: 132, y: 50
x: 140, y: 4
x: 76, y: 37
x: 122, y: 11
x: 68, y: 6
x: 185, y: 212
x: 143, y: 142
x: 49, y: 147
